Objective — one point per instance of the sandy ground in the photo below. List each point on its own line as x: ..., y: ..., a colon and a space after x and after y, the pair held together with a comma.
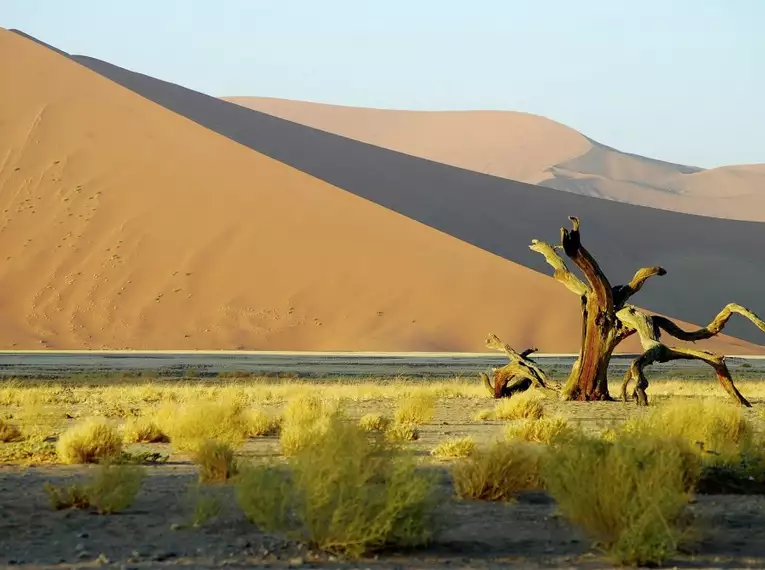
x: 537, y: 150
x: 155, y: 532
x: 141, y: 229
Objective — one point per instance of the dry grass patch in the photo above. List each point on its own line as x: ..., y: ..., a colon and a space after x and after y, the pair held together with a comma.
x: 484, y: 415
x: 544, y: 430
x: 143, y: 430
x: 417, y: 408
x: 216, y: 462
x: 402, y: 432
x: 454, y: 448
x: 628, y: 494
x: 89, y: 442
x: 189, y: 425
x: 499, y: 473
x: 111, y: 490
x: 306, y: 419
x: 374, y: 422
x: 347, y: 493
x: 716, y: 429
x: 526, y: 405
x: 262, y: 424
x: 9, y: 432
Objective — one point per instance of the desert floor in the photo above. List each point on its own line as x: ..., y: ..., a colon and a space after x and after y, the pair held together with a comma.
x: 156, y: 532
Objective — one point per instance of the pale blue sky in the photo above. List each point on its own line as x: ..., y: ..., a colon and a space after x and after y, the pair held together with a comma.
x: 680, y: 80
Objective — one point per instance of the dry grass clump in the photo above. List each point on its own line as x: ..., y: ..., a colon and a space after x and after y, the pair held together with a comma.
x: 454, y: 447
x: 402, y: 432
x: 544, y: 430
x: 483, y: 415
x: 89, y: 442
x: 189, y: 425
x: 417, y: 408
x: 143, y: 430
x: 374, y: 422
x: 347, y: 493
x: 262, y: 424
x: 205, y: 504
x: 717, y: 429
x: 112, y: 489
x: 306, y: 419
x: 9, y: 432
x: 216, y: 462
x: 500, y: 472
x: 628, y: 494
x: 526, y: 405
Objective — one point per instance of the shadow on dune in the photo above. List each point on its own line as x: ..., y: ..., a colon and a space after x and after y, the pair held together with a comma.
x: 710, y: 261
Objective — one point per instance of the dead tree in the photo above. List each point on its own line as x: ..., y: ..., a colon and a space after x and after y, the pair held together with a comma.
x: 607, y: 319
x: 519, y: 375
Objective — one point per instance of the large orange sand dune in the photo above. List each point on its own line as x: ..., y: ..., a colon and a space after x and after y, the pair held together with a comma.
x: 537, y: 150
x: 124, y: 225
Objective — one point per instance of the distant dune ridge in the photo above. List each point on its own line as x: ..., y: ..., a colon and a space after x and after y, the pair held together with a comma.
x: 125, y: 225
x: 537, y: 150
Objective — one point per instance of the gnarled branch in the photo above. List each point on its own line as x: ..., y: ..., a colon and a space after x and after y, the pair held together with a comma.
x: 713, y: 328
x: 622, y: 293
x: 599, y: 285
x: 519, y: 374
x: 561, y: 272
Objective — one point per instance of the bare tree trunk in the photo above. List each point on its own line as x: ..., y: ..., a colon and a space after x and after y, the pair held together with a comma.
x: 519, y: 375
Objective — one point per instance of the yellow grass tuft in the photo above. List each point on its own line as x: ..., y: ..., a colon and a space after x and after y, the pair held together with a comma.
x: 9, y: 432
x: 262, y: 424
x: 347, y: 493
x: 374, y: 422
x: 544, y: 430
x: 416, y: 408
x: 112, y: 489
x: 455, y: 447
x: 190, y: 424
x: 635, y: 495
x: 500, y: 472
x: 484, y: 415
x: 306, y: 419
x: 143, y: 430
x: 526, y: 405
x: 89, y: 442
x: 402, y: 432
x: 216, y: 462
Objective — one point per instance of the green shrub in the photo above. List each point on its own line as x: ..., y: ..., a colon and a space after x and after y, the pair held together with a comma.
x: 629, y: 494
x: 205, y: 505
x: 499, y: 473
x: 346, y: 493
x: 417, y: 408
x: 89, y: 442
x: 306, y: 420
x: 216, y: 462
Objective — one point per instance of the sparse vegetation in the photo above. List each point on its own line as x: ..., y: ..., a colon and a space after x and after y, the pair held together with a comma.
x: 416, y: 408
x: 499, y: 473
x: 89, y: 442
x: 629, y: 494
x: 454, y: 447
x: 216, y: 461
x: 346, y: 492
x: 205, y: 504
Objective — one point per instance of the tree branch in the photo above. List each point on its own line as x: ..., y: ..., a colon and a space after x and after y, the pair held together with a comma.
x: 713, y: 328
x: 561, y: 272
x: 599, y: 285
x: 622, y: 293
x: 520, y: 367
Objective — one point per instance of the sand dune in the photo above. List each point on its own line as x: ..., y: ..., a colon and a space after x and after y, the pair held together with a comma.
x: 537, y: 150
x: 124, y: 225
